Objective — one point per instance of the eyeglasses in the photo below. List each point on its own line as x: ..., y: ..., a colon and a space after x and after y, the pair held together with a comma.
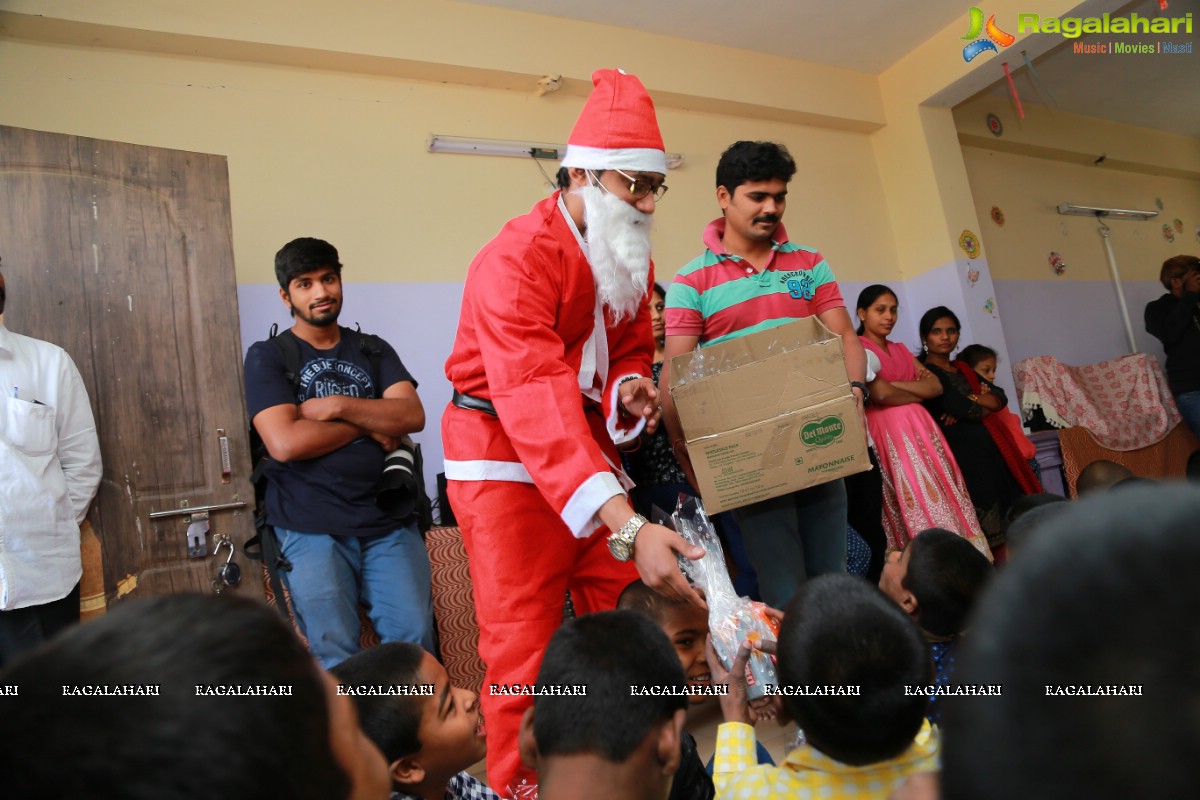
x: 640, y: 187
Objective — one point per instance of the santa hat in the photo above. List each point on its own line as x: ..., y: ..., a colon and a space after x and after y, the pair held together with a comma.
x: 617, y: 128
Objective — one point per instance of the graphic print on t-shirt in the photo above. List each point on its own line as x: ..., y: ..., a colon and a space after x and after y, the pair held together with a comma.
x: 325, y: 377
x: 800, y: 284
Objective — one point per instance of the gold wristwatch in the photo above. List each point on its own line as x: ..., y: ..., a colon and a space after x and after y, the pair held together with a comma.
x: 620, y: 542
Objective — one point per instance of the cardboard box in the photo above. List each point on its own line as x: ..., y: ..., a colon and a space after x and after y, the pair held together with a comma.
x: 772, y: 413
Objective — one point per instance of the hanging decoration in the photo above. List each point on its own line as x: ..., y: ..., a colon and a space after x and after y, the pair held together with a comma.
x: 1178, y: 223
x: 998, y: 216
x: 1158, y: 202
x: 990, y: 306
x: 1056, y: 263
x: 995, y: 125
x: 1038, y: 78
x: 972, y: 276
x: 1012, y: 87
x: 969, y: 243
x: 1168, y: 232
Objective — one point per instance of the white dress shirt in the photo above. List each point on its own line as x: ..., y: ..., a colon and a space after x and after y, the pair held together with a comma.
x: 49, y: 470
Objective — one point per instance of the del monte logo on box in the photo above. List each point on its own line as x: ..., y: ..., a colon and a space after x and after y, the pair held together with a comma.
x: 822, y: 433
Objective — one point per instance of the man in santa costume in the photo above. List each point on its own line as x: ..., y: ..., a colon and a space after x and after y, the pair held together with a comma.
x: 550, y: 369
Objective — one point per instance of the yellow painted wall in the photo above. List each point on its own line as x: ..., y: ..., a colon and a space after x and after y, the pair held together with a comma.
x: 476, y: 45
x: 1029, y: 187
x: 341, y: 155
x: 929, y: 198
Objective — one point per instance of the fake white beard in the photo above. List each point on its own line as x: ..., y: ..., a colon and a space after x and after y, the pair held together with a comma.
x: 618, y: 237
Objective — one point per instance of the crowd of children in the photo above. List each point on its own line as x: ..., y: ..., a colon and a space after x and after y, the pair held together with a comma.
x: 950, y: 677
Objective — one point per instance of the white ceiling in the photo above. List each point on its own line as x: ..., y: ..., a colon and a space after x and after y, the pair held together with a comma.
x: 1153, y: 91
x: 862, y: 35
x: 1159, y: 91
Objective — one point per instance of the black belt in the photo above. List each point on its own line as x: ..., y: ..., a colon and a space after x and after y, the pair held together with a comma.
x: 479, y: 404
x: 472, y: 403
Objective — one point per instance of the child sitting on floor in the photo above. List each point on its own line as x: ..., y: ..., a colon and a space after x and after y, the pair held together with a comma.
x: 427, y: 739
x: 848, y: 659
x: 936, y: 581
x: 620, y: 739
x: 687, y: 628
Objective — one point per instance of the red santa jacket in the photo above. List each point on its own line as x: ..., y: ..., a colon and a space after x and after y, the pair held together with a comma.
x: 526, y: 342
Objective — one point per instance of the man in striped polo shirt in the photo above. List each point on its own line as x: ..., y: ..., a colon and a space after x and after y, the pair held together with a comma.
x: 750, y: 278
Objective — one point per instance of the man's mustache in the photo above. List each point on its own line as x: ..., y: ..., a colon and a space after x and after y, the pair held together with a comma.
x: 767, y: 218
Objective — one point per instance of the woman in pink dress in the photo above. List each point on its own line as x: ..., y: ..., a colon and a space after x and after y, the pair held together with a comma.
x: 922, y: 485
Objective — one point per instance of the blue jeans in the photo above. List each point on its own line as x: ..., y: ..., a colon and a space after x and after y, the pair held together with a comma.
x: 331, y: 575
x: 794, y: 537
x: 1189, y: 407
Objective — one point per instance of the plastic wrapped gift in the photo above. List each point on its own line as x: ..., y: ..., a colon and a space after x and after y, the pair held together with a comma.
x: 731, y: 619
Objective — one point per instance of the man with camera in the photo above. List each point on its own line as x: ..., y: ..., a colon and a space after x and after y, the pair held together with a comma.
x: 328, y: 429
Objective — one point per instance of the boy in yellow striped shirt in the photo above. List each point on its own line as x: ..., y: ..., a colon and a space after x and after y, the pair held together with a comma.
x: 851, y: 669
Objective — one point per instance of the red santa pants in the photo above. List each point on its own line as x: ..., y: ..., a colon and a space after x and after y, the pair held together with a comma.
x: 522, y: 560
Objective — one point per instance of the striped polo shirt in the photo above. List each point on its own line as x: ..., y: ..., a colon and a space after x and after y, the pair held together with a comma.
x: 717, y: 297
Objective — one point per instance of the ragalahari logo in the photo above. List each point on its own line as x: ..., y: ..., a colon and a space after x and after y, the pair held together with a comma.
x: 995, y: 36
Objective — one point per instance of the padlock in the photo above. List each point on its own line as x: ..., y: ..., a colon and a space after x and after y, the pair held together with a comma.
x: 230, y: 574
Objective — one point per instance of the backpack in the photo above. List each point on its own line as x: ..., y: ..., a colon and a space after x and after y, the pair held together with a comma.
x: 264, y: 545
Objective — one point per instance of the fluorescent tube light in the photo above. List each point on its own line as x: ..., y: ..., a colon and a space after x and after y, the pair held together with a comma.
x: 498, y: 147
x: 1107, y: 213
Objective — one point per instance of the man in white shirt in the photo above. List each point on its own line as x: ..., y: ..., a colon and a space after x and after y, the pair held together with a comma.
x: 49, y: 471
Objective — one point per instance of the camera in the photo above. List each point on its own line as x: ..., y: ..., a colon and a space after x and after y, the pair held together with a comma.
x: 399, y: 489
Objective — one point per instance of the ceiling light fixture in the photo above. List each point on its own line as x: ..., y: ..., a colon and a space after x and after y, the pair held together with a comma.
x: 499, y: 147
x: 1108, y: 213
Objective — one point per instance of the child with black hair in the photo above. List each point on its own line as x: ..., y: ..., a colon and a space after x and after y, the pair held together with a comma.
x: 621, y: 739
x: 847, y: 657
x: 428, y: 740
x: 1027, y: 514
x: 1092, y: 633
x: 936, y: 580
x: 687, y: 628
x: 983, y: 360
x: 190, y: 697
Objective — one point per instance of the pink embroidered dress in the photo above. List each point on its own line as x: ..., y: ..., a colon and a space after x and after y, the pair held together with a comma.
x: 922, y: 485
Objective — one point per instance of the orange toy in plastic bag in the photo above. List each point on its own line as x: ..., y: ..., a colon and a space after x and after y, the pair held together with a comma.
x: 731, y: 619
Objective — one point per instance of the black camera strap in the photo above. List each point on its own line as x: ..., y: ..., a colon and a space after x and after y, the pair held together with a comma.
x: 264, y: 545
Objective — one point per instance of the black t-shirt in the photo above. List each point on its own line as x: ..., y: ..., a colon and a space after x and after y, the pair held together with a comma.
x: 1176, y: 322
x: 334, y: 493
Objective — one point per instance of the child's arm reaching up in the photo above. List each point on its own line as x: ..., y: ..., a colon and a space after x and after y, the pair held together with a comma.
x: 736, y: 743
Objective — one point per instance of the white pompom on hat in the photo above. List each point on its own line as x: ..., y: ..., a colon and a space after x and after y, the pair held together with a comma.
x: 617, y: 128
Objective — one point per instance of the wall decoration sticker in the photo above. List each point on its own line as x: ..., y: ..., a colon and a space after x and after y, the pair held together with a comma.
x: 1168, y: 232
x: 969, y: 243
x: 997, y: 216
x: 995, y: 125
x: 1056, y: 263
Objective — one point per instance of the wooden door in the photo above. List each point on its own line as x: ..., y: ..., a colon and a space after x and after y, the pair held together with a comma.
x: 122, y: 255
